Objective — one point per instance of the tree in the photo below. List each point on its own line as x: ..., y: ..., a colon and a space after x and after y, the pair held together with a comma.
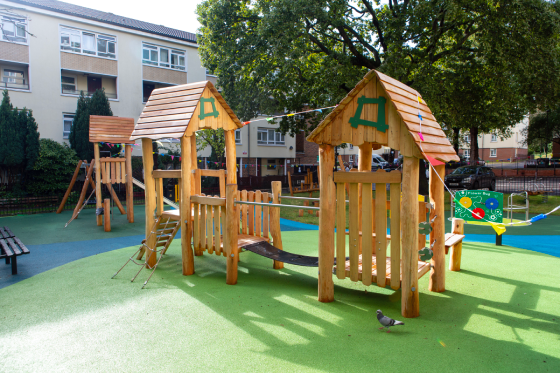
x: 543, y: 129
x: 98, y: 104
x: 276, y: 55
x: 215, y: 139
x: 32, y: 144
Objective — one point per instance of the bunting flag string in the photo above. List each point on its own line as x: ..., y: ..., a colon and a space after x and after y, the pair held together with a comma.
x: 271, y: 119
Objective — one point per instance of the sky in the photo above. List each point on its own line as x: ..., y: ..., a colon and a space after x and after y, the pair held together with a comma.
x: 177, y: 14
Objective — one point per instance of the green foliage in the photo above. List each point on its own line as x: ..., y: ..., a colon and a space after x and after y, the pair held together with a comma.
x: 54, y: 167
x: 215, y: 139
x: 480, y: 64
x: 98, y: 104
x: 543, y: 130
x: 19, y: 141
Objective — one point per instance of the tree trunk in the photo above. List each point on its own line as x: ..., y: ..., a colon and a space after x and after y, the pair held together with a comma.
x: 474, y: 145
x: 456, y: 139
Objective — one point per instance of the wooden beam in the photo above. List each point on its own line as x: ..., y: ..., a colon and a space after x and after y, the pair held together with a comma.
x: 166, y: 174
x: 84, y: 190
x: 457, y: 249
x: 290, y: 184
x: 116, y: 199
x: 326, y: 223
x: 98, y: 202
x: 194, y: 164
x: 437, y: 272
x: 67, y: 194
x: 231, y: 160
x: 231, y: 233
x: 129, y: 188
x: 410, y: 306
x: 185, y: 207
x: 275, y: 221
x: 211, y: 201
x: 150, y: 204
x: 107, y: 215
x: 159, y: 197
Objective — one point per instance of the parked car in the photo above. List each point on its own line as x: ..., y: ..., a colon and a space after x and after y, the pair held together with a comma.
x: 471, y: 177
x: 531, y: 163
x: 543, y: 162
x: 479, y: 162
x: 554, y: 162
x: 455, y: 164
x: 378, y: 162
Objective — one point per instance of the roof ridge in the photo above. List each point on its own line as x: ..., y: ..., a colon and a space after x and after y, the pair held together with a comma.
x: 108, y: 17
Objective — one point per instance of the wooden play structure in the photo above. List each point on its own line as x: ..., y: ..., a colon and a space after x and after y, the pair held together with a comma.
x: 241, y: 219
x: 381, y: 111
x: 114, y: 130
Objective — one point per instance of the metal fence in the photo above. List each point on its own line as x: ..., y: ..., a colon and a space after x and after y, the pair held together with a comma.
x: 550, y: 184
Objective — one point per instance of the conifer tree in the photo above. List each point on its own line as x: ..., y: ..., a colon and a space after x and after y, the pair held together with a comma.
x: 32, y: 145
x: 6, y: 123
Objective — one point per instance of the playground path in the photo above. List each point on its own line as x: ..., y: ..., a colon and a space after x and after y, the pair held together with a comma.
x: 75, y: 318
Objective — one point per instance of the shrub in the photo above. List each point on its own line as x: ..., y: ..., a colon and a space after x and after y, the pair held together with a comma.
x: 53, y: 169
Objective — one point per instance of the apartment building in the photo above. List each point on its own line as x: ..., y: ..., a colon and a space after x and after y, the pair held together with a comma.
x: 51, y: 50
x: 492, y: 148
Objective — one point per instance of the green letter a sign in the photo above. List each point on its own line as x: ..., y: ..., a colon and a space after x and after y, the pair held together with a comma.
x: 203, y: 114
x: 380, y: 124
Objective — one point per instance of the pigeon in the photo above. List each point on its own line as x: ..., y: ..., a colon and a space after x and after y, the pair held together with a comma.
x: 387, y: 322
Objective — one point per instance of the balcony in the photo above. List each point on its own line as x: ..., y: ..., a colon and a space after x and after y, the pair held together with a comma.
x: 14, y: 76
x: 86, y: 93
x: 73, y: 83
x: 148, y: 87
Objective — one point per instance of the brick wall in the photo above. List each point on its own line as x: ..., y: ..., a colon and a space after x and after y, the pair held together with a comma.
x: 156, y: 74
x: 77, y: 62
x: 556, y: 149
x: 14, y: 52
x: 501, y: 154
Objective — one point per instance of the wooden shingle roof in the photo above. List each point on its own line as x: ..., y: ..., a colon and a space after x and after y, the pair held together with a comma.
x: 402, y: 106
x: 174, y: 112
x: 115, y: 130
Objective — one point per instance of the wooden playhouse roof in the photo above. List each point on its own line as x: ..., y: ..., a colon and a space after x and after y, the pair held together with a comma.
x: 178, y: 111
x: 401, y: 108
x: 115, y: 130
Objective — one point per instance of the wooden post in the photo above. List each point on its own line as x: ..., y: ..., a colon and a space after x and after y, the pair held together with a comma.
x: 316, y: 204
x: 148, y: 160
x: 456, y: 250
x: 410, y: 306
x: 129, y: 191
x: 437, y: 273
x: 326, y: 223
x: 84, y: 190
x: 185, y: 207
x: 107, y: 214
x: 290, y: 184
x: 230, y: 239
x: 159, y: 197
x: 364, y: 164
x: 231, y: 164
x: 69, y: 190
x: 194, y: 164
x: 98, y: 203
x: 116, y: 199
x: 275, y: 221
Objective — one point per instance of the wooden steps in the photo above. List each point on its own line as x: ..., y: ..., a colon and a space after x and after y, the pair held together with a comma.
x: 423, y: 268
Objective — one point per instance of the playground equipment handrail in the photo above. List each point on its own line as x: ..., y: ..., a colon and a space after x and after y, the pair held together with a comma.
x: 275, y: 205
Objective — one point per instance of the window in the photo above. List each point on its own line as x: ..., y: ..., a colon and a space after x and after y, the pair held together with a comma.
x: 467, y: 138
x: 13, y: 77
x: 466, y: 153
x: 84, y: 42
x: 163, y: 57
x: 493, y: 152
x: 494, y: 138
x: 269, y: 137
x: 238, y: 137
x: 68, y: 84
x: 351, y: 146
x: 14, y: 28
x: 351, y: 159
x: 67, y: 125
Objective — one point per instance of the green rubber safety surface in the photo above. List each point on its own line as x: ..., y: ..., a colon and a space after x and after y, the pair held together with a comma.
x: 499, y: 313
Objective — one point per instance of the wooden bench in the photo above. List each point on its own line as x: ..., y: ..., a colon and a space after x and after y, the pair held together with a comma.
x: 451, y: 239
x: 11, y: 247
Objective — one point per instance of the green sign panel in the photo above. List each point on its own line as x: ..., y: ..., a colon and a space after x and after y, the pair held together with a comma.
x: 380, y: 124
x: 203, y: 114
x: 476, y: 205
